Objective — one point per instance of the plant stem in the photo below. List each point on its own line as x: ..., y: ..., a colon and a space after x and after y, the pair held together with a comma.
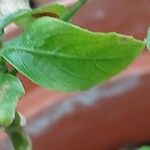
x: 74, y: 9
x: 14, y: 72
x: 18, y: 136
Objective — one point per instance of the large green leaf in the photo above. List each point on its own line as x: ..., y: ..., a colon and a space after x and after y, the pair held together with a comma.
x: 10, y: 90
x: 18, y: 136
x: 61, y: 56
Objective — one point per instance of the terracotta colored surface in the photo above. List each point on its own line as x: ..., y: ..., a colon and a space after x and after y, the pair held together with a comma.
x: 101, y: 119
x: 123, y: 16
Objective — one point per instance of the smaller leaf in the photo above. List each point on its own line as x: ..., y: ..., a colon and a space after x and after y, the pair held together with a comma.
x: 25, y: 17
x: 52, y: 10
x: 148, y: 39
x: 9, y: 19
x: 18, y: 136
x: 10, y: 90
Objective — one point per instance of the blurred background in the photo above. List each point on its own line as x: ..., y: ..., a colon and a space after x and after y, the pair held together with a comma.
x: 105, y: 117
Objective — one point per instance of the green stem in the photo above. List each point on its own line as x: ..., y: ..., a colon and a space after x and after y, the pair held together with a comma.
x: 18, y: 136
x: 14, y: 72
x: 74, y: 9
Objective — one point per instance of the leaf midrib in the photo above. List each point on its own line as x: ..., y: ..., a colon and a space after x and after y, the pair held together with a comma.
x: 52, y: 54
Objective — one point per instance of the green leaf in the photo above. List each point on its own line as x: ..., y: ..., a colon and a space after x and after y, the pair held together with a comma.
x: 148, y: 39
x: 144, y: 148
x: 2, y: 62
x: 11, y: 18
x: 18, y: 136
x: 2, y: 66
x: 51, y: 10
x: 64, y: 57
x: 10, y: 90
x: 25, y: 17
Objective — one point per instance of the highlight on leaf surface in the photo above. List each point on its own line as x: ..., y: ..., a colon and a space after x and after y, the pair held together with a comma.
x: 7, y: 7
x: 60, y: 56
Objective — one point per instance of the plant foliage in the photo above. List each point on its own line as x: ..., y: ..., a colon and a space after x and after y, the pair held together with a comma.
x: 56, y: 55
